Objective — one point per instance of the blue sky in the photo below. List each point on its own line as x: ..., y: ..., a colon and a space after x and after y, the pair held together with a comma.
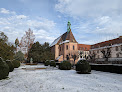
x: 92, y: 21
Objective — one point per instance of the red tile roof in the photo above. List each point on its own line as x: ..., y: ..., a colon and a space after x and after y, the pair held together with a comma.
x: 84, y: 47
x: 108, y: 43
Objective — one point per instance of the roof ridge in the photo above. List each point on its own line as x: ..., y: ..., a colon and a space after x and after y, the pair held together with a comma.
x: 107, y: 41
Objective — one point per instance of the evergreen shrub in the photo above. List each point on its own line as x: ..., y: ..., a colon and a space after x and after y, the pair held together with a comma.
x: 47, y: 63
x: 52, y: 63
x: 10, y: 64
x: 16, y: 63
x: 4, y: 69
x: 65, y: 65
x: 83, y: 66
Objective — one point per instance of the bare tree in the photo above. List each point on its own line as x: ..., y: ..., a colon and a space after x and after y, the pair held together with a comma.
x: 106, y: 53
x: 27, y: 40
x: 118, y: 54
x: 92, y: 56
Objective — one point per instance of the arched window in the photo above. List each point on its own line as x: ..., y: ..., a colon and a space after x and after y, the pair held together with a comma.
x: 73, y: 47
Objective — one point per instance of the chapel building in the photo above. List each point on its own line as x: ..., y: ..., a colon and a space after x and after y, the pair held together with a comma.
x: 67, y: 46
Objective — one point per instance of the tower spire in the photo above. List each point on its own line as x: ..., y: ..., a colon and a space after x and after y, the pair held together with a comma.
x: 68, y: 26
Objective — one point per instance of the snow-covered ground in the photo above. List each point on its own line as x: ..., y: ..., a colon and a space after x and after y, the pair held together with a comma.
x: 54, y: 80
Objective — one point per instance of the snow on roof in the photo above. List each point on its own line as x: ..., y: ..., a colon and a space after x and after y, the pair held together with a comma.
x: 58, y: 57
x: 66, y: 41
x: 55, y: 41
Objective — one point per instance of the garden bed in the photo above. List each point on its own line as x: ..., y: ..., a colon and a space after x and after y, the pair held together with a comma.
x: 31, y: 64
x: 33, y: 68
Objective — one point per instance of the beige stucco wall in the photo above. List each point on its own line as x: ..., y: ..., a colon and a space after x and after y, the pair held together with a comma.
x: 70, y: 49
x: 64, y: 51
x: 56, y: 51
x: 113, y: 52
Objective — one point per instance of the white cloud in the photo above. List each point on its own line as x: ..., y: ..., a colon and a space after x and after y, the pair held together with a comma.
x: 99, y: 29
x: 21, y: 17
x: 89, y: 7
x: 6, y: 27
x: 98, y: 20
x: 3, y: 10
x: 59, y: 16
x: 15, y: 26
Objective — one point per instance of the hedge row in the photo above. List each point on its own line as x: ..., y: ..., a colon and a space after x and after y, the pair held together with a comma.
x: 51, y: 63
x: 82, y: 66
x: 107, y: 68
x: 4, y: 70
x: 10, y: 64
x: 7, y: 66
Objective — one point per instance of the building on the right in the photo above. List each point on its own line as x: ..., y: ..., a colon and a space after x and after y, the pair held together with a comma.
x: 110, y: 50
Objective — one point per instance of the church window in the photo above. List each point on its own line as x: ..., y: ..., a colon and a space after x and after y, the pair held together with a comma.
x: 60, y: 48
x: 73, y: 47
x: 66, y: 47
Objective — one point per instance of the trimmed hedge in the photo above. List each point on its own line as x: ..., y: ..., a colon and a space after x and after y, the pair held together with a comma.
x: 47, y: 63
x: 52, y: 63
x: 4, y: 69
x: 83, y: 66
x: 10, y: 64
x: 16, y: 63
x: 107, y: 68
x: 65, y: 65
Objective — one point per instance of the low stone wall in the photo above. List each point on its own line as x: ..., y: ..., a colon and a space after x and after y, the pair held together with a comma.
x: 107, y: 68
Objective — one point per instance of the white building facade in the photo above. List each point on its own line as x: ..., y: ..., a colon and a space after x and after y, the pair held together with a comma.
x: 111, y: 49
